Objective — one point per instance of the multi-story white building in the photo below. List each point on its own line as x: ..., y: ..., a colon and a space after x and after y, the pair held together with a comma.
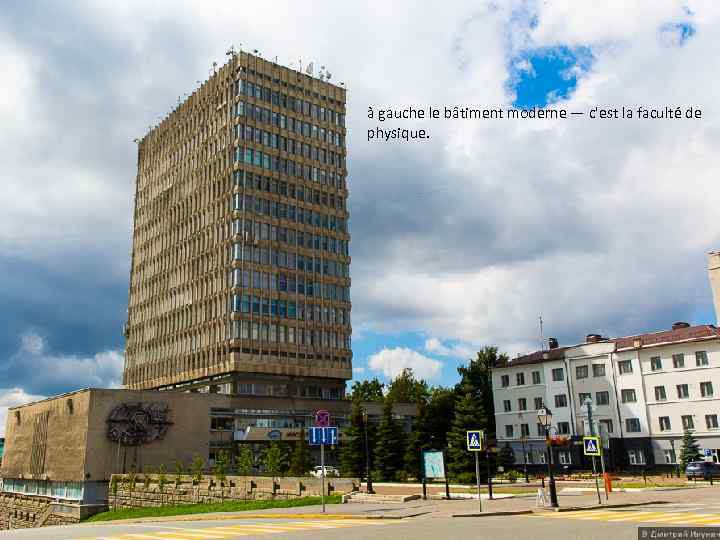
x: 644, y: 391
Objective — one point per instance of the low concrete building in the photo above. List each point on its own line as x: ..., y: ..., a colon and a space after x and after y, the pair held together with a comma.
x: 67, y: 447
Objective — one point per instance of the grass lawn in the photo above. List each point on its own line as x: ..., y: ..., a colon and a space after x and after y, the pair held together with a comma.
x: 228, y: 506
x: 648, y: 485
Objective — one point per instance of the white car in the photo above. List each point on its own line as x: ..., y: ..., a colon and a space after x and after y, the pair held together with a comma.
x: 329, y: 471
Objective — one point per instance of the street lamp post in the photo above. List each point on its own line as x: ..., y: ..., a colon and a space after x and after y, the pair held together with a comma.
x: 674, y: 456
x: 369, y: 488
x: 545, y: 418
x: 523, y: 439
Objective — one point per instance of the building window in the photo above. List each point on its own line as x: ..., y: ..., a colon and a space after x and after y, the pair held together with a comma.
x: 507, y: 405
x: 636, y: 457
x: 664, y: 423
x: 520, y: 379
x: 701, y: 358
x: 655, y: 363
x: 505, y: 381
x: 706, y: 389
x: 688, y: 422
x: 557, y: 374
x: 525, y: 430
x: 602, y: 398
x: 598, y: 370
x: 679, y: 360
x: 660, y: 393
x: 711, y: 421
x: 536, y: 377
x: 522, y: 404
x: 563, y: 428
x: 669, y: 456
x: 561, y: 400
x: 538, y: 403
x: 581, y: 372
x: 607, y: 425
x: 682, y: 391
x: 625, y: 366
x: 509, y: 431
x: 632, y: 425
x: 628, y: 395
x: 584, y: 396
x: 564, y: 458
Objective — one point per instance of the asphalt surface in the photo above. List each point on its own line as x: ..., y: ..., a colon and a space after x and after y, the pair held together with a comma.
x: 615, y: 523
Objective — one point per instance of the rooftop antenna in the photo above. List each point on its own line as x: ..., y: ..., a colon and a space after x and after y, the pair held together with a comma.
x: 230, y: 51
x: 542, y: 340
x: 310, y: 68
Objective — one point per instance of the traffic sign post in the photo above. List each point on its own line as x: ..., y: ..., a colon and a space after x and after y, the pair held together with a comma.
x: 592, y: 446
x: 474, y: 441
x: 323, y: 433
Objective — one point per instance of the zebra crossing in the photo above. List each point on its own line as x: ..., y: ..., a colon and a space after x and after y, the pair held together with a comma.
x: 637, y: 516
x: 242, y: 530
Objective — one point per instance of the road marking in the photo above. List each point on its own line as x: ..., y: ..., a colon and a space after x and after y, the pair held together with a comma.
x: 631, y: 516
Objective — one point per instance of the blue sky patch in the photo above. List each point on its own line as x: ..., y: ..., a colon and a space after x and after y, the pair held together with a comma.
x: 542, y: 76
x: 677, y: 33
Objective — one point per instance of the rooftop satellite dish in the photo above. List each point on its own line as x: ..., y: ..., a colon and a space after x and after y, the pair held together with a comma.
x: 328, y: 75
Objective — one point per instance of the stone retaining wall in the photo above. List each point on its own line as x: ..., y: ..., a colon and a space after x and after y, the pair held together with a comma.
x: 27, y: 511
x: 147, y: 493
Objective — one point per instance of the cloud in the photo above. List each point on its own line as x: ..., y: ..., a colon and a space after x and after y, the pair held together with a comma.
x: 38, y: 370
x: 391, y: 362
x: 467, y: 237
x: 358, y: 370
x: 12, y: 397
x: 460, y: 350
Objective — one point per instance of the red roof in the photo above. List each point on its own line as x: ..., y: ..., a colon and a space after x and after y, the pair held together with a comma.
x: 668, y: 336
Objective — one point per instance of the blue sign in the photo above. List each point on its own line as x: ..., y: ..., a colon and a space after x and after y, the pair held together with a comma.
x: 475, y: 440
x: 323, y: 435
x: 591, y: 446
x: 708, y: 452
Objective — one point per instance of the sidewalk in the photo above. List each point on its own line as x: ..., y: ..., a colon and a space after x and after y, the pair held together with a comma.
x: 433, y: 508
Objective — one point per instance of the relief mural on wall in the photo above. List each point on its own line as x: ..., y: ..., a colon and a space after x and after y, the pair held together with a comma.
x: 134, y: 424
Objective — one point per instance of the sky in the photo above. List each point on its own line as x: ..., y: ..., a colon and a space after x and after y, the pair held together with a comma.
x: 458, y: 241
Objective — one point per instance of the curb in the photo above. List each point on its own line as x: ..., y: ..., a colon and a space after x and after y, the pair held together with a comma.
x: 492, y: 514
x: 226, y: 517
x: 595, y: 507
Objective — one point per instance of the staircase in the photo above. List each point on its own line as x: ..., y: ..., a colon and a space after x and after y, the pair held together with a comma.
x: 362, y: 497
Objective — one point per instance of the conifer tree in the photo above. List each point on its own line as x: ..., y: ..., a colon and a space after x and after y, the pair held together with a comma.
x: 301, y: 460
x: 352, y: 451
x: 389, y: 445
x: 467, y: 417
x: 690, y: 450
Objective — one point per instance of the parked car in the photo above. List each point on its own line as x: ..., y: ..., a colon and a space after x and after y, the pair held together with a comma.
x: 329, y: 471
x: 702, y: 469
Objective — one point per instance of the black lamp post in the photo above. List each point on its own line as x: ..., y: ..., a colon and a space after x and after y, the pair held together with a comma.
x: 545, y: 418
x: 523, y: 440
x: 367, y: 453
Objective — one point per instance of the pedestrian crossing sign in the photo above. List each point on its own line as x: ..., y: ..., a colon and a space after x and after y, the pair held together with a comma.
x: 592, y: 446
x: 475, y: 440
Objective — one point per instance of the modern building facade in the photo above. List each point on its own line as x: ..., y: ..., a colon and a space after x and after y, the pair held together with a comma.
x: 645, y: 391
x: 240, y: 280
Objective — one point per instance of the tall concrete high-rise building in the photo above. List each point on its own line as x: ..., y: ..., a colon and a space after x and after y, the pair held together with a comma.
x: 240, y: 278
x: 714, y: 271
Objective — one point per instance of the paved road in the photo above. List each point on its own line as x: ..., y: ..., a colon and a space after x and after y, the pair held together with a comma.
x: 619, y: 523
